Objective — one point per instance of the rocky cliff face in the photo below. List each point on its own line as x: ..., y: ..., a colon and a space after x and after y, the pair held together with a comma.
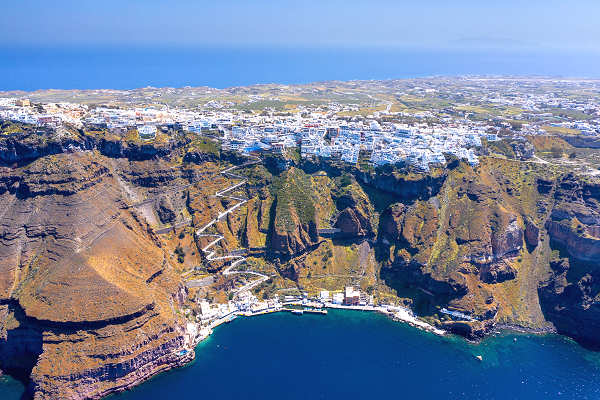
x: 288, y: 243
x: 354, y: 219
x: 476, y: 240
x: 405, y: 186
x: 32, y: 143
x: 294, y: 227
x: 87, y: 296
x: 465, y: 248
x: 569, y: 297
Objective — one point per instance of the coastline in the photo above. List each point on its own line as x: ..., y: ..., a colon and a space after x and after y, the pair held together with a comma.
x: 196, y: 334
x: 372, y: 354
x: 396, y: 313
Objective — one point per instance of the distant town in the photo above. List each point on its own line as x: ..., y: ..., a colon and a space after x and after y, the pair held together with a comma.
x: 374, y: 130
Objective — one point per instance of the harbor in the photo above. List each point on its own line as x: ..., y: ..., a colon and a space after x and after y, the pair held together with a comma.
x: 397, y: 313
x: 372, y: 353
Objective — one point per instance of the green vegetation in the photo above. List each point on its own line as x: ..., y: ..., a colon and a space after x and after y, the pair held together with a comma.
x: 180, y: 254
x: 205, y: 145
x: 501, y: 147
x: 560, y: 130
x: 294, y: 198
x: 9, y: 128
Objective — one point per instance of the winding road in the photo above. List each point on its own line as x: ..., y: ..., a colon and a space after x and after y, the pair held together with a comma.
x: 238, y: 258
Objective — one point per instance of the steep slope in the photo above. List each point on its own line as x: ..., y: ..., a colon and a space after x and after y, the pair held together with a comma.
x: 465, y: 248
x: 571, y: 296
x: 88, y: 297
x: 294, y: 226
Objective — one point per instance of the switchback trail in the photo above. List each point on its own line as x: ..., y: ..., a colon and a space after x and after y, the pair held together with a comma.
x: 236, y: 256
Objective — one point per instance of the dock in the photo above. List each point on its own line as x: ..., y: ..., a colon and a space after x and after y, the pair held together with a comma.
x: 301, y: 311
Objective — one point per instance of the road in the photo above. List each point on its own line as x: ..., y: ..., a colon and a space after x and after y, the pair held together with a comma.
x: 235, y: 255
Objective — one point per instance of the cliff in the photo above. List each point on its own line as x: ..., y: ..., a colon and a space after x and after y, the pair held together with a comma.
x: 29, y: 143
x: 87, y: 294
x: 294, y: 226
x: 355, y: 218
x: 90, y: 294
x: 569, y: 296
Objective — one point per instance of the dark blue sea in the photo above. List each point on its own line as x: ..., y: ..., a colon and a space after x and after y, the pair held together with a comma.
x: 33, y: 68
x: 354, y: 355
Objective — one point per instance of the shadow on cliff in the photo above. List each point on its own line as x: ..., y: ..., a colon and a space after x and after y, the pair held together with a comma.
x: 569, y: 298
x: 20, y: 349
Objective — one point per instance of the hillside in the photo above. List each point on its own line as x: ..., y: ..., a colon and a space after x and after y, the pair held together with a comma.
x: 97, y: 245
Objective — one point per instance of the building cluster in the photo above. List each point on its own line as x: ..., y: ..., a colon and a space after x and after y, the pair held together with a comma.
x: 338, y: 131
x: 350, y: 296
x: 118, y: 120
x: 246, y: 302
x: 388, y: 143
x: 417, y: 146
x: 316, y: 134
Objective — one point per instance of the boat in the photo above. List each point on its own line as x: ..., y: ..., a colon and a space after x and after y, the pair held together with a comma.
x: 479, y: 358
x: 316, y: 311
x: 298, y: 312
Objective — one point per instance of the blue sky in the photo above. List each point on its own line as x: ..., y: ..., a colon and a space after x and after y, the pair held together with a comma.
x: 548, y: 24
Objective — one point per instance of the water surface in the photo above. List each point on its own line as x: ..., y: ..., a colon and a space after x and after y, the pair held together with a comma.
x: 349, y: 354
x: 95, y: 67
x: 362, y: 355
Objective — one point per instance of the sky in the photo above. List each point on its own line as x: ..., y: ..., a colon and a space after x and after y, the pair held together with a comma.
x: 434, y: 24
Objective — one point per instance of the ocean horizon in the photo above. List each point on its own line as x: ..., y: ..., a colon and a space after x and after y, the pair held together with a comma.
x: 114, y: 67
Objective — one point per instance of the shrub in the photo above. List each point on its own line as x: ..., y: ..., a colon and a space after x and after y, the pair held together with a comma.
x: 180, y: 254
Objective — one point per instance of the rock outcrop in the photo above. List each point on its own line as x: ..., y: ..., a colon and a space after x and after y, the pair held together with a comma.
x: 294, y: 226
x: 405, y: 186
x: 165, y: 211
x: 87, y: 297
x: 569, y: 297
x: 288, y: 243
x: 354, y: 219
x: 31, y: 143
x: 532, y: 233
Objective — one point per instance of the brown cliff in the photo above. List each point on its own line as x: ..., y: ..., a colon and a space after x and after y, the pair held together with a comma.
x: 87, y: 298
x: 294, y: 228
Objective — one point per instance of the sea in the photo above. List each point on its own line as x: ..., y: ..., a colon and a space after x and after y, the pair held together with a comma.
x: 344, y: 355
x: 360, y: 355
x: 106, y: 67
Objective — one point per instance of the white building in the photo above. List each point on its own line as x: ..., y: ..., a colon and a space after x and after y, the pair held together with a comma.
x: 147, y: 132
x: 338, y: 298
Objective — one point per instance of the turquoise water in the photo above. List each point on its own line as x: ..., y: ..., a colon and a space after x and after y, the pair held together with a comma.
x: 363, y: 355
x: 10, y: 389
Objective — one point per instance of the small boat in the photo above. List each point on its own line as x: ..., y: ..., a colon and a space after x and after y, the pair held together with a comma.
x: 479, y: 358
x: 298, y: 312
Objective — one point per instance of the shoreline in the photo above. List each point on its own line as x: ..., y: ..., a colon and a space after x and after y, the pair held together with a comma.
x: 186, y: 355
x: 396, y: 313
